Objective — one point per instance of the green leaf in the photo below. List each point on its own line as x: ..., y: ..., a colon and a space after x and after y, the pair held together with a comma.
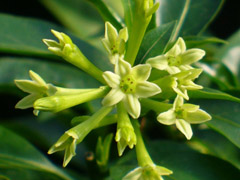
x: 107, y: 14
x: 27, y: 40
x: 230, y: 56
x: 20, y: 160
x: 155, y: 42
x: 23, y: 35
x: 12, y: 68
x: 222, y: 148
x: 208, y: 93
x: 219, y: 73
x: 193, y: 16
x: 185, y: 163
x: 195, y: 41
x: 225, y: 118
x: 78, y: 16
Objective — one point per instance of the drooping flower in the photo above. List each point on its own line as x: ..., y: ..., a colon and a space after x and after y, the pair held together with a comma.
x: 128, y: 84
x: 177, y: 58
x: 183, y: 115
x: 114, y: 43
x: 148, y: 172
x: 125, y: 135
x: 75, y: 135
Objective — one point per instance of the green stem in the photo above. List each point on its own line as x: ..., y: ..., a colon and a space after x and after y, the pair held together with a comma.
x: 156, y: 106
x: 142, y: 154
x: 135, y: 39
x: 84, y: 128
x: 58, y: 102
x: 78, y: 59
x: 123, y: 118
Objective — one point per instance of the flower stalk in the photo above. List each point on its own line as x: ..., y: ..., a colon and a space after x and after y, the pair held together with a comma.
x: 58, y: 103
x: 142, y: 16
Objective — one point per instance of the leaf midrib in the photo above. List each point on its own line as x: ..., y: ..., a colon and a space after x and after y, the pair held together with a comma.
x: 19, y: 162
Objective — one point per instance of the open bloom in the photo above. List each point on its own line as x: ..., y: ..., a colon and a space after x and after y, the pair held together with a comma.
x: 183, y: 115
x: 128, y: 84
x: 148, y: 172
x: 114, y: 43
x: 177, y: 58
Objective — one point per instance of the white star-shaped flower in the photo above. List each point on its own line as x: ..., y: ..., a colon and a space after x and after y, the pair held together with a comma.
x: 183, y: 115
x: 177, y: 58
x: 128, y: 84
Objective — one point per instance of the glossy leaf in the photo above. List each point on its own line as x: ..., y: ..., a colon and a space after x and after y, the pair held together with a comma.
x: 155, y: 42
x: 193, y: 16
x: 225, y: 118
x: 20, y: 160
x: 196, y: 41
x: 78, y: 16
x: 27, y: 40
x: 56, y: 73
x: 208, y: 93
x: 183, y: 161
x: 107, y: 14
x: 222, y: 148
x: 230, y: 56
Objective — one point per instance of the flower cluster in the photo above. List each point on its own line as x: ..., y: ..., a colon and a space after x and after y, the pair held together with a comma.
x: 123, y: 89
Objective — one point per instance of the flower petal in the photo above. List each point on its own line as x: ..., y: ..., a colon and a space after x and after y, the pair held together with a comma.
x: 134, y: 174
x: 132, y: 105
x: 30, y: 86
x: 197, y: 117
x: 162, y: 170
x: 178, y: 102
x: 192, y: 55
x: 106, y: 45
x: 190, y: 85
x: 158, y: 62
x: 123, y: 34
x: 173, y: 70
x: 175, y: 50
x: 122, y: 68
x: 185, y: 128
x: 141, y: 72
x: 181, y: 92
x: 113, y: 80
x: 27, y: 101
x: 147, y: 89
x: 181, y: 44
x: 113, y: 97
x: 110, y: 33
x: 167, y: 118
x: 190, y: 107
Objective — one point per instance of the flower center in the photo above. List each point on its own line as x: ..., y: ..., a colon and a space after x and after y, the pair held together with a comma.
x: 179, y: 112
x: 174, y: 61
x: 128, y: 84
x: 114, y: 49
